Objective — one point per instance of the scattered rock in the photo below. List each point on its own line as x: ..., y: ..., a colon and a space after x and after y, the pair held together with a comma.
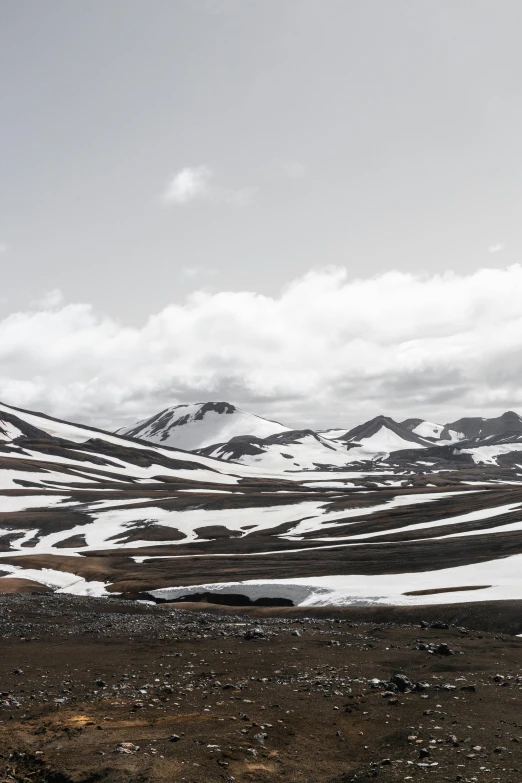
x: 401, y: 681
x: 255, y: 633
x: 127, y: 747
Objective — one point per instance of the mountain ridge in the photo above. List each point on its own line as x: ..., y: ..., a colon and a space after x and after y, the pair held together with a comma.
x: 286, y: 449
x: 86, y: 511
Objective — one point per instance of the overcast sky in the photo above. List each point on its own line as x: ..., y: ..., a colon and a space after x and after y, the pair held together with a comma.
x: 282, y: 203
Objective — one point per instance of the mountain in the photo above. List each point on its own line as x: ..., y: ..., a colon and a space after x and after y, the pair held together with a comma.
x: 431, y: 431
x: 333, y: 433
x: 381, y: 436
x: 475, y: 428
x: 468, y: 428
x: 89, y: 512
x: 221, y: 431
x: 308, y: 450
x: 37, y: 441
x: 198, y: 425
x: 291, y: 450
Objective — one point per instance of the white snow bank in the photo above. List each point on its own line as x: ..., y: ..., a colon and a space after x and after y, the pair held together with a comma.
x: 498, y: 580
x: 59, y: 581
x: 11, y: 503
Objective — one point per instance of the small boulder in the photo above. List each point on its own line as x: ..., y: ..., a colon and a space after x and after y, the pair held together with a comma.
x: 127, y: 747
x: 254, y: 633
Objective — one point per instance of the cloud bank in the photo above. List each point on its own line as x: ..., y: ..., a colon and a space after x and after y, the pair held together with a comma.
x: 328, y: 349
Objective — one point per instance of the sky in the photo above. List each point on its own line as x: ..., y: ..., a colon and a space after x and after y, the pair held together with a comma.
x: 310, y: 209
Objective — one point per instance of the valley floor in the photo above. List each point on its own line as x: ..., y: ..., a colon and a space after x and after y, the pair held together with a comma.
x: 112, y: 690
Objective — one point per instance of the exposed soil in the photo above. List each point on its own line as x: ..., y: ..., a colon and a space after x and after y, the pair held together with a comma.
x: 295, y: 702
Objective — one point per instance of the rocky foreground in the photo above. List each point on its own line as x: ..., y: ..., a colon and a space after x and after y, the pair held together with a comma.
x: 111, y: 690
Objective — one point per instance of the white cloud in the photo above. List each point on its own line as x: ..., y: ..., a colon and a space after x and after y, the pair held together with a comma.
x: 196, y: 183
x: 496, y: 248
x: 3, y: 247
x: 327, y: 349
x: 187, y: 185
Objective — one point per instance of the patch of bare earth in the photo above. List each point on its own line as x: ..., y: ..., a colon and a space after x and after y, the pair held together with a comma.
x: 199, y: 696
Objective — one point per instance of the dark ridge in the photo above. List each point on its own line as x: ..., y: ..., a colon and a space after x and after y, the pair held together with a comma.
x: 238, y: 446
x: 410, y: 424
x: 149, y: 532
x: 449, y: 453
x: 476, y: 427
x: 156, y: 422
x: 217, y: 407
x: 369, y: 428
x: 26, y: 429
x: 214, y: 532
x: 44, y: 436
x: 293, y: 436
x: 99, y: 452
x: 436, y: 590
x: 45, y: 416
x: 250, y: 445
x: 72, y: 542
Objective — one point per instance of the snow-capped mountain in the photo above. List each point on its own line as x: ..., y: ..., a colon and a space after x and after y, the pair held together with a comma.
x: 432, y: 431
x: 199, y: 424
x: 477, y: 428
x: 39, y: 443
x: 291, y: 450
x: 224, y: 432
x: 381, y: 436
x: 90, y: 512
x: 309, y: 450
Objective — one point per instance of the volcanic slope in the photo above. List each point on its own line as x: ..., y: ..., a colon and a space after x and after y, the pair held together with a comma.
x: 222, y: 431
x: 381, y: 436
x: 292, y: 450
x: 432, y: 431
x: 476, y: 428
x: 308, y: 450
x: 90, y: 512
x: 414, y: 444
x: 200, y: 424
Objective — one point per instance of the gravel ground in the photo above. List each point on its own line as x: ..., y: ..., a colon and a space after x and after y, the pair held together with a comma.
x: 111, y: 690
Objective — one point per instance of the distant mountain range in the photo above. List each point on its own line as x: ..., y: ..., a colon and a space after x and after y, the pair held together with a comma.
x: 222, y: 431
x: 385, y: 512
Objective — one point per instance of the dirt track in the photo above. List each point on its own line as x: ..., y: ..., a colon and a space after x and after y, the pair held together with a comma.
x: 80, y: 676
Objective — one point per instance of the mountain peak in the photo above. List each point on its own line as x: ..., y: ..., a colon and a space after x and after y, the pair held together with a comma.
x: 216, y: 407
x: 480, y: 427
x: 510, y: 415
x: 197, y: 425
